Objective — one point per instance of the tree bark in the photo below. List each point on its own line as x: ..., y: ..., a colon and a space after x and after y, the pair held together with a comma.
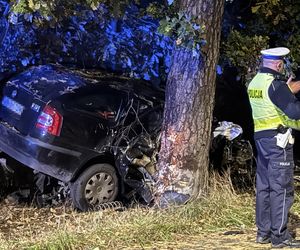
x: 183, y: 159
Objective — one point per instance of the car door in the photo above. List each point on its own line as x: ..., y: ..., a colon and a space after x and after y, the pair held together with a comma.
x: 89, y: 117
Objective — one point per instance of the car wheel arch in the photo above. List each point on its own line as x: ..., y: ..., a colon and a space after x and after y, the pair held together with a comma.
x: 104, y: 158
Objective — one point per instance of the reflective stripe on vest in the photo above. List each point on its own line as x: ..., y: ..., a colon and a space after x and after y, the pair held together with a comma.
x: 264, y: 112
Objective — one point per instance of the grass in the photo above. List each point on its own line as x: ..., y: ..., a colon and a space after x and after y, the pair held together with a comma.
x: 136, y: 228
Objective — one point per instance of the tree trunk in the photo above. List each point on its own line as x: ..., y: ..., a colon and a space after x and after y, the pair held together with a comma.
x: 183, y: 162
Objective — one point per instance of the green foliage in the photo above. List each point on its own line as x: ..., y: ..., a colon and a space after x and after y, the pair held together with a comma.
x: 156, y: 10
x: 20, y: 7
x: 272, y: 23
x: 275, y: 11
x: 265, y: 6
x: 277, y: 18
x: 280, y: 21
x: 293, y: 44
x: 184, y: 29
x: 46, y: 9
x: 56, y: 10
x: 93, y: 4
x: 243, y: 51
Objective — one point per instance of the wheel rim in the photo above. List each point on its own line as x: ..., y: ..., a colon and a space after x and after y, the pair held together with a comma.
x: 99, y: 188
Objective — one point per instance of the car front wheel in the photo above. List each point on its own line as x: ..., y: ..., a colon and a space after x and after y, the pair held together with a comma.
x: 96, y: 185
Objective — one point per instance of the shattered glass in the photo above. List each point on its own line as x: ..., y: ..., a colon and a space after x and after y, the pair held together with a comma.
x: 136, y: 147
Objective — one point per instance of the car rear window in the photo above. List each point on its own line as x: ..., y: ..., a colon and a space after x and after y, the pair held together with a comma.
x: 47, y: 81
x: 99, y: 101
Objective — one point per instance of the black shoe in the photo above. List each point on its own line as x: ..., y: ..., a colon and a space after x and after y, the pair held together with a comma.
x: 291, y: 243
x: 263, y: 239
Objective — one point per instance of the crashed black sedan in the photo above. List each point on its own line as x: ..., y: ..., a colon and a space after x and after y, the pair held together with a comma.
x: 96, y: 131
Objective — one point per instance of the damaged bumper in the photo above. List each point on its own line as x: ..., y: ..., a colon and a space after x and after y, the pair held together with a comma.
x: 49, y: 159
x: 137, y: 165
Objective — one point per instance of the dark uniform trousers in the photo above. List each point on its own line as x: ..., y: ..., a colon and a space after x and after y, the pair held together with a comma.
x: 274, y: 189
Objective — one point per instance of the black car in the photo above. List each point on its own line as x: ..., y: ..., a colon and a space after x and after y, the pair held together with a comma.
x: 96, y: 131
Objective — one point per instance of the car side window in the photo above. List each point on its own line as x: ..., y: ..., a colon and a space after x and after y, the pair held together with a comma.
x: 145, y: 117
x: 105, y: 105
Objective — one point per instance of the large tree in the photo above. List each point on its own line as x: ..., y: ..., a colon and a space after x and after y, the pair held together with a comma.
x: 190, y: 91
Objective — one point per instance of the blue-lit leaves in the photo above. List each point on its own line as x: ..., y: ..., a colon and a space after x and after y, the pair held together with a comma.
x: 146, y: 76
x: 137, y: 47
x: 154, y: 73
x: 242, y: 25
x: 28, y: 17
x: 92, y: 39
x: 25, y: 62
x: 81, y: 26
x: 13, y: 18
x: 154, y: 59
x: 129, y: 63
x: 170, y: 2
x: 18, y: 43
x: 109, y: 50
x: 219, y: 70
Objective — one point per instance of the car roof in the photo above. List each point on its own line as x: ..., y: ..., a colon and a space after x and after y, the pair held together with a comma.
x: 50, y: 81
x: 94, y: 78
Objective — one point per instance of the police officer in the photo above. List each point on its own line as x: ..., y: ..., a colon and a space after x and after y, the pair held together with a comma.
x: 275, y: 110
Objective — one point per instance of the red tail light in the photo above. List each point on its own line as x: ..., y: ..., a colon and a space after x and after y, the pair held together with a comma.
x: 50, y: 120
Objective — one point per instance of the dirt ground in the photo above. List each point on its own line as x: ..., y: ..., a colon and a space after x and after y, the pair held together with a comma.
x: 28, y: 221
x: 230, y: 240
x: 14, y: 219
x: 220, y: 241
x: 211, y: 241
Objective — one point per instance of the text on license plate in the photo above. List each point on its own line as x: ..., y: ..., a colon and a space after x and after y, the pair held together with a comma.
x: 12, y: 105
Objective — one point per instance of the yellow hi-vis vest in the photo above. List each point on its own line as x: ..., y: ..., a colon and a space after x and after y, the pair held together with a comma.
x: 265, y: 114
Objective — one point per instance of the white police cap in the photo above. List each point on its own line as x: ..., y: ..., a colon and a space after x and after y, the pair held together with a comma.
x: 275, y: 53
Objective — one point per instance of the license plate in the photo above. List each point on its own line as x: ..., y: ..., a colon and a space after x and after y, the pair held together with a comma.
x: 12, y: 105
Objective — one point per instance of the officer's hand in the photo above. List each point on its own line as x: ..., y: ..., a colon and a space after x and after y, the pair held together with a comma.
x: 293, y: 85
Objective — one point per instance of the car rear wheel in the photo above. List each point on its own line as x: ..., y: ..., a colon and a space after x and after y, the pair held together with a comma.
x: 96, y: 185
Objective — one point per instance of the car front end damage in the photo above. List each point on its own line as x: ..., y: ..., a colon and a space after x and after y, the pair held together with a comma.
x: 135, y: 148
x: 137, y: 165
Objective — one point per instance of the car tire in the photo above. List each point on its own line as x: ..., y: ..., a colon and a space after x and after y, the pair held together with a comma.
x: 96, y: 185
